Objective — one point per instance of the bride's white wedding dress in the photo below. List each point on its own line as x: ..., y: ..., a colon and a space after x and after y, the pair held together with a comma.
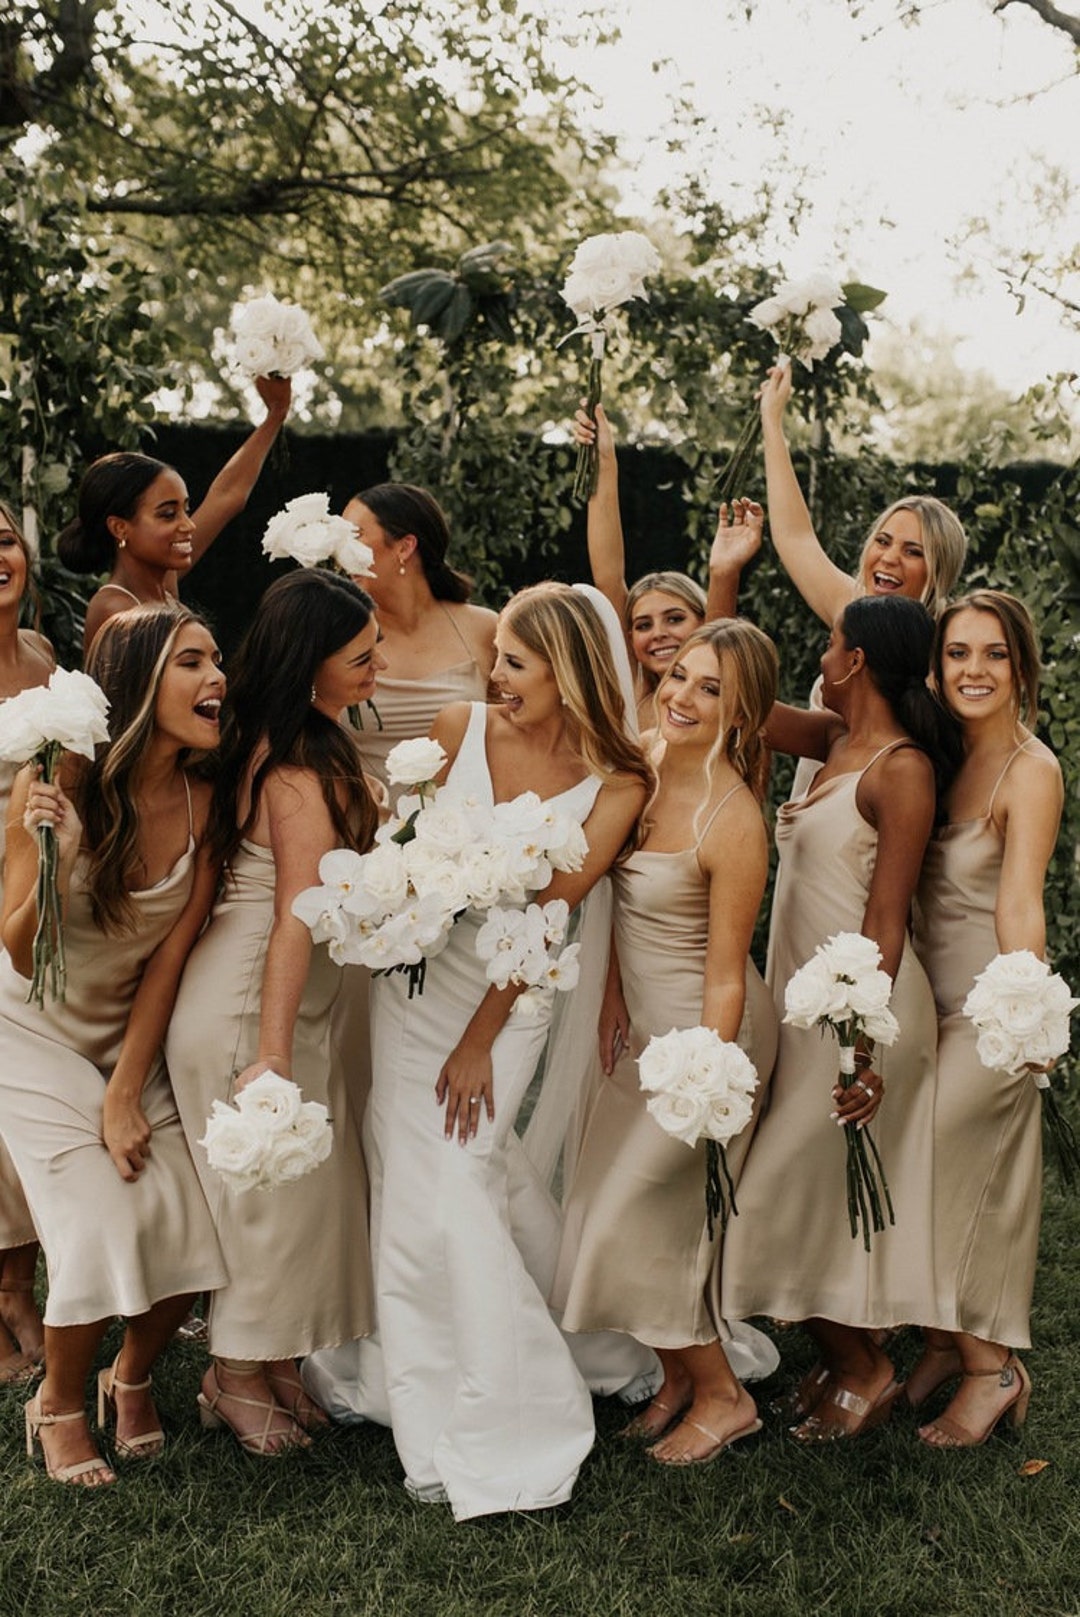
x: 487, y: 1405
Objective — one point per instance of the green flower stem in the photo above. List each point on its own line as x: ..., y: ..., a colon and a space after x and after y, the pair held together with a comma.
x: 588, y: 455
x: 49, y: 959
x: 732, y: 481
x: 868, y: 1197
x: 719, y: 1187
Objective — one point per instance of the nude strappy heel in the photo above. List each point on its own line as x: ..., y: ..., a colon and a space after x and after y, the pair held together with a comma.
x: 144, y: 1445
x: 35, y: 1420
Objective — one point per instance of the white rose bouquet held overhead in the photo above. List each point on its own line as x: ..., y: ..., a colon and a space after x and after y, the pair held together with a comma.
x: 810, y: 320
x: 1021, y: 1012
x: 272, y: 338
x: 701, y: 1087
x: 269, y: 1137
x: 605, y: 272
x: 307, y: 531
x: 440, y: 855
x: 843, y: 988
x: 38, y: 725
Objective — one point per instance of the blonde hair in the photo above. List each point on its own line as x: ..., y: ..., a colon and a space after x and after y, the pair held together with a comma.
x: 749, y: 671
x: 563, y: 627
x: 7, y: 514
x: 682, y: 588
x: 944, y: 544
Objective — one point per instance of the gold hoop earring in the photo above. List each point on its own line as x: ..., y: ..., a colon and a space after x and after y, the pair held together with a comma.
x: 846, y: 677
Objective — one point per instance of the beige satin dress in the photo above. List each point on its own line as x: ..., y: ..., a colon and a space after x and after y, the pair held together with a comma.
x: 111, y: 1247
x: 298, y: 1256
x: 636, y: 1254
x: 790, y: 1253
x: 987, y: 1125
x: 16, y: 1223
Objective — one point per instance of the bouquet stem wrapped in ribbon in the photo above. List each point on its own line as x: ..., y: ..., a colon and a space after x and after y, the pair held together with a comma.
x: 841, y: 987
x: 39, y: 725
x: 701, y: 1087
x: 1021, y: 1011
x: 605, y: 272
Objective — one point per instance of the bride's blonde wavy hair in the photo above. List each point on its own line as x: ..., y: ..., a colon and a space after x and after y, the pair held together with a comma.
x: 128, y: 658
x: 562, y: 626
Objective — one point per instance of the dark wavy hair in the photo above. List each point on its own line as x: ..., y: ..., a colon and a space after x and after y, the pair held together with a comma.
x: 895, y: 635
x: 401, y: 509
x: 301, y: 620
x: 128, y: 659
x: 111, y: 487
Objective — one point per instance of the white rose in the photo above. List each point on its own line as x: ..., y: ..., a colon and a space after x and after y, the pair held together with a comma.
x: 446, y: 825
x: 270, y: 1099
x: 235, y: 1147
x: 998, y: 1051
x: 257, y: 318
x: 870, y: 993
x: 304, y: 531
x: 810, y: 994
x: 682, y: 1116
x: 727, y: 1115
x: 412, y: 763
x: 71, y: 709
x: 381, y: 883
x: 485, y: 872
x: 1016, y: 971
x: 767, y: 314
x: 662, y: 1063
x: 850, y: 954
x: 881, y: 1026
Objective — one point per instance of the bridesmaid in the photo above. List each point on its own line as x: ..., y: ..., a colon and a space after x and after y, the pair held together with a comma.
x: 440, y: 647
x: 981, y: 894
x: 487, y: 1407
x: 661, y: 609
x: 85, y: 1103
x: 915, y: 548
x: 26, y: 660
x: 256, y: 996
x: 850, y: 854
x: 636, y: 1252
x: 133, y: 517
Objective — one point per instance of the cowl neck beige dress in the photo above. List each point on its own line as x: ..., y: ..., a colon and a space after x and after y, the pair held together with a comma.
x: 790, y: 1252
x: 987, y: 1125
x: 111, y: 1247
x: 16, y: 1224
x: 636, y: 1254
x: 298, y: 1255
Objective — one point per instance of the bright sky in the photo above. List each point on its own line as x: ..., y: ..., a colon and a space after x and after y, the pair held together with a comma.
x: 897, y: 135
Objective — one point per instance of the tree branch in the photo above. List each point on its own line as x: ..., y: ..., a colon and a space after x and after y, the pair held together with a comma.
x: 1050, y: 14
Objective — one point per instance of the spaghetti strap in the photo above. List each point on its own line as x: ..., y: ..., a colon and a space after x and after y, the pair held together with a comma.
x: 1004, y: 771
x: 124, y: 591
x: 891, y: 746
x: 190, y: 816
x: 453, y: 624
x: 740, y: 785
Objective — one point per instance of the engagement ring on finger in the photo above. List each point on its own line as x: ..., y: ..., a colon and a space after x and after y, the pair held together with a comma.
x: 475, y: 1101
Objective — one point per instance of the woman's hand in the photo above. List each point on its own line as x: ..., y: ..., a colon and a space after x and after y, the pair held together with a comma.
x: 126, y: 1134
x: 587, y: 431
x: 49, y: 805
x: 858, y: 1103
x: 774, y: 393
x: 278, y: 1064
x: 276, y: 394
x: 465, y: 1083
x: 614, y: 1027
x: 738, y: 536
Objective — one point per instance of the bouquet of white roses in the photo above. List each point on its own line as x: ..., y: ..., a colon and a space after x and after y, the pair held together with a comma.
x: 305, y: 530
x: 1021, y: 1011
x: 67, y: 715
x: 809, y: 319
x: 272, y: 338
x: 842, y: 987
x: 701, y: 1087
x: 439, y: 855
x: 605, y: 272
x: 268, y: 1137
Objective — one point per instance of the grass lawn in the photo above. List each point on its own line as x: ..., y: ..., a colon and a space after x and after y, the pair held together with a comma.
x: 882, y: 1526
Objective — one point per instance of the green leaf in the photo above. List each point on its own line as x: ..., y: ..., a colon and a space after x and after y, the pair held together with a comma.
x: 862, y: 298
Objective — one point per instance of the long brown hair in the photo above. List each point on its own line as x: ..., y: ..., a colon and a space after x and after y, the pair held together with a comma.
x: 128, y: 659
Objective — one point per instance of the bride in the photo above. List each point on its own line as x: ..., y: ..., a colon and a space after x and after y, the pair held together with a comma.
x: 488, y: 1408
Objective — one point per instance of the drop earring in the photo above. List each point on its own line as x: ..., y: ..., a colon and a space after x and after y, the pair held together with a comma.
x: 314, y: 694
x: 401, y: 569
